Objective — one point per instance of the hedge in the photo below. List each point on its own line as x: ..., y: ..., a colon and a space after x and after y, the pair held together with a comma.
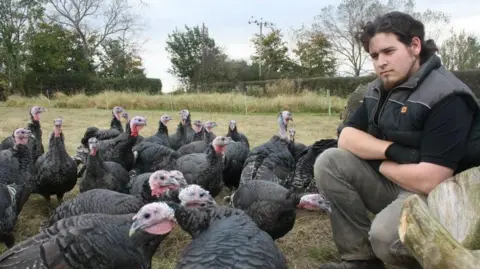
x: 339, y: 86
x: 36, y: 83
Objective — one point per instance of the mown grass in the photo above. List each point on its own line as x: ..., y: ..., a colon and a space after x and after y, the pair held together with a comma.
x: 307, y: 246
x: 302, y: 102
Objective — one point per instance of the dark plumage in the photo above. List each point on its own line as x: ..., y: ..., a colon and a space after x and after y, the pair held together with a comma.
x: 272, y: 160
x: 8, y: 214
x: 161, y: 137
x: 87, y: 241
x: 16, y: 167
x: 223, y: 237
x: 103, y: 174
x: 272, y: 206
x: 149, y: 157
x: 56, y: 171
x: 205, y: 169
x: 201, y: 145
x: 303, y: 176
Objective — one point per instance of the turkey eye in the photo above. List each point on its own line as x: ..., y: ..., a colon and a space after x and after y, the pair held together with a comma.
x: 162, y: 177
x: 147, y: 215
x: 202, y: 194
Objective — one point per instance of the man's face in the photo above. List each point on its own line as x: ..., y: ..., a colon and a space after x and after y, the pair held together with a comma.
x: 393, y: 60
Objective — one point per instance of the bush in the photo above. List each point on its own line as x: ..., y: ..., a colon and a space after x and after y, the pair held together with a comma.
x: 73, y: 83
x: 338, y: 86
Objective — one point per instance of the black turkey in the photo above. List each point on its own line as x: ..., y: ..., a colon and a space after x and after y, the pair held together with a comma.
x: 101, y: 174
x: 8, y: 214
x: 273, y: 207
x: 88, y: 241
x: 150, y: 186
x: 303, y: 177
x: 205, y: 169
x: 56, y: 171
x: 222, y: 237
x: 272, y: 160
x: 35, y: 144
x: 16, y: 167
x: 111, y: 202
x: 161, y: 137
x: 235, y: 155
x: 201, y: 145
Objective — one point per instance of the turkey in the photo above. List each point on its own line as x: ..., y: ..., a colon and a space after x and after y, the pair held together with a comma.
x: 303, y: 176
x: 16, y: 167
x: 272, y: 160
x: 149, y: 186
x: 99, y: 241
x: 205, y: 169
x: 197, y: 126
x: 115, y: 130
x: 35, y: 144
x: 149, y: 156
x: 235, y: 134
x: 222, y: 237
x: 111, y: 202
x: 199, y: 146
x: 101, y: 174
x: 235, y: 155
x: 272, y: 206
x: 8, y: 214
x: 182, y: 136
x: 56, y: 171
x: 297, y: 148
x: 119, y: 149
x: 161, y: 137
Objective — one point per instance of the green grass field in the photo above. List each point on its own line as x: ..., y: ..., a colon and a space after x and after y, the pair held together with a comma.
x: 306, y: 246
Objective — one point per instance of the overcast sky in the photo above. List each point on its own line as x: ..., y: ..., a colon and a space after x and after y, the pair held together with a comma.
x: 227, y: 22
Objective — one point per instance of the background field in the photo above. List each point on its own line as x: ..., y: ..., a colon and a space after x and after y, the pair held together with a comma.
x: 306, y: 246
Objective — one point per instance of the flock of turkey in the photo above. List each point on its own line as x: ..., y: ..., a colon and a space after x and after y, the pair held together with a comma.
x: 134, y: 190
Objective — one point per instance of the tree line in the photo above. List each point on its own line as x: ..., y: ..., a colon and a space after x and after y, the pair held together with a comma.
x: 70, y: 45
x: 50, y: 43
x: 321, y: 48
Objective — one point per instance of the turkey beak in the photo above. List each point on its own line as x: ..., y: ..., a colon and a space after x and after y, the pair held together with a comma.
x: 134, y: 228
x: 325, y: 205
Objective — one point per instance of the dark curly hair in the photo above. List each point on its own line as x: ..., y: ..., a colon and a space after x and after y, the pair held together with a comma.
x: 404, y: 26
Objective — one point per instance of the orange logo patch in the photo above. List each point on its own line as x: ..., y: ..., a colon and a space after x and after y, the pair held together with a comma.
x: 404, y: 109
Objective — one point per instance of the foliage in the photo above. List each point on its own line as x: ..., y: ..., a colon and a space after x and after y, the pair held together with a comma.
x: 120, y: 60
x: 315, y: 56
x: 338, y: 86
x: 225, y: 102
x: 271, y: 52
x: 461, y: 51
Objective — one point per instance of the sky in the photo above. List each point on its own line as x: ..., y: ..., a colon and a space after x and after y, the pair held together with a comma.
x: 227, y: 22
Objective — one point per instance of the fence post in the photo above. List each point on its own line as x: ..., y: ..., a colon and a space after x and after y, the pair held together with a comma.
x: 329, y: 103
x: 246, y: 107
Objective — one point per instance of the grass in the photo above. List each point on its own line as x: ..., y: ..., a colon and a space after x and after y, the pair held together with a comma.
x: 307, y: 246
x: 305, y: 102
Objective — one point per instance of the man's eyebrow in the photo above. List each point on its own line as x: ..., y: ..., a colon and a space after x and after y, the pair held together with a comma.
x: 382, y: 50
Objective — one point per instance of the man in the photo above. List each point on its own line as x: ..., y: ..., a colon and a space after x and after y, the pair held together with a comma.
x: 407, y: 136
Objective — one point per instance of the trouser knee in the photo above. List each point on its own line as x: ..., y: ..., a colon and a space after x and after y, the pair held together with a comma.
x: 330, y: 166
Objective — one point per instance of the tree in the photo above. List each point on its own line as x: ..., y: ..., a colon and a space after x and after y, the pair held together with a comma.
x: 315, y: 55
x: 114, y: 16
x: 461, y: 51
x: 341, y: 25
x: 17, y: 19
x: 55, y: 50
x: 194, y: 56
x: 272, y: 52
x: 120, y: 59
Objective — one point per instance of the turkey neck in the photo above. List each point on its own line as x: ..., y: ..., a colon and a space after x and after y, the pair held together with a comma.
x: 213, y: 156
x: 56, y: 147
x: 116, y: 124
x: 94, y: 164
x: 22, y: 153
x: 162, y: 128
x: 36, y: 129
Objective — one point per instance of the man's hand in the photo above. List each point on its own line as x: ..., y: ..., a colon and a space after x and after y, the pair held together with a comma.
x: 402, y: 154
